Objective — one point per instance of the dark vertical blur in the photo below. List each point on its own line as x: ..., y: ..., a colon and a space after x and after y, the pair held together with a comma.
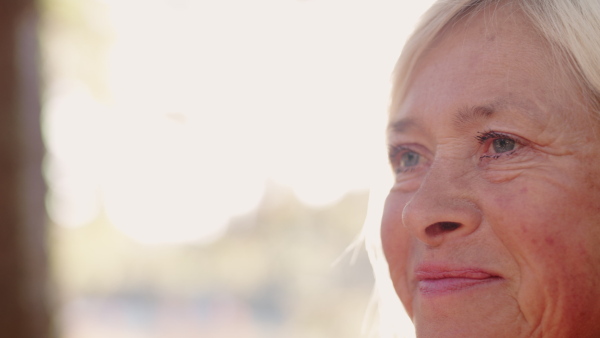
x: 23, y: 298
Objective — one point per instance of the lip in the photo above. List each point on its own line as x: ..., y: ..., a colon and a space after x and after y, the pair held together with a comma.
x: 439, y: 280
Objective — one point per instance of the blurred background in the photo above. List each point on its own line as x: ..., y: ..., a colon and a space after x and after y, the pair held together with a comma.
x: 209, y: 163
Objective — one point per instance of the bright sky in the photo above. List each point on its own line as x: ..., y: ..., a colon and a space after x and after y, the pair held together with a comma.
x: 212, y: 99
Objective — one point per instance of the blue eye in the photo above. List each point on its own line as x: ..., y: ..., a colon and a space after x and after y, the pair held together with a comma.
x: 409, y: 159
x: 496, y: 145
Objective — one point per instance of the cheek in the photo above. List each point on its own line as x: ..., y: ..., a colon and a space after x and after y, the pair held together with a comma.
x: 396, y: 245
x: 542, y: 225
x: 552, y: 233
x: 393, y: 232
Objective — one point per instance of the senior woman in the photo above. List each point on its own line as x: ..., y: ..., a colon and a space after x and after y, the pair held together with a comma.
x: 492, y: 226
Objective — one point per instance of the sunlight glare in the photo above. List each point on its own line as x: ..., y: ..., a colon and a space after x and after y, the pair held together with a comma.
x: 210, y: 99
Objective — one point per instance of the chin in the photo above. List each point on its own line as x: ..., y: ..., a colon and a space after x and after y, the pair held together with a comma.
x: 479, y: 311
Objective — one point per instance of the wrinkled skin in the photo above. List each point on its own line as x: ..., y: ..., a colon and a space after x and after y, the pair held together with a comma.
x: 497, y: 166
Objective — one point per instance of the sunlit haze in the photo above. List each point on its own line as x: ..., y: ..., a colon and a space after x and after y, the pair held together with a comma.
x: 207, y: 102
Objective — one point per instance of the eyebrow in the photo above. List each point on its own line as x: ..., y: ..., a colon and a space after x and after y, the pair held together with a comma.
x: 402, y: 125
x: 462, y: 117
x: 467, y: 115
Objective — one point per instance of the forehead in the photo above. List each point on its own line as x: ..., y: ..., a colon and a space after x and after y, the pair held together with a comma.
x: 483, y: 62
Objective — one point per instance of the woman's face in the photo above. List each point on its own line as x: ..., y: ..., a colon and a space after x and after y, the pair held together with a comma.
x: 492, y: 227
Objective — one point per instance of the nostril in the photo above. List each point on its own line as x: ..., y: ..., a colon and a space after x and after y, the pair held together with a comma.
x: 441, y: 227
x: 449, y: 226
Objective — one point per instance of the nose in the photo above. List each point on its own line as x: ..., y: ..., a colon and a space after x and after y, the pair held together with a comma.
x: 443, y: 207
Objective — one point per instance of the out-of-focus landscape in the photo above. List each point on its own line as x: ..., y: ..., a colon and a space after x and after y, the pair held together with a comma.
x: 271, y: 275
x: 209, y: 163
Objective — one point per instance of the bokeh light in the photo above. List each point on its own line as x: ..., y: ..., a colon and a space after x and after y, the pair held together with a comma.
x: 171, y: 120
x: 206, y: 100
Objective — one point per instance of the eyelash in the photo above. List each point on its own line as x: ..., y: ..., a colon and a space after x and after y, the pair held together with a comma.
x: 395, y: 150
x: 483, y: 137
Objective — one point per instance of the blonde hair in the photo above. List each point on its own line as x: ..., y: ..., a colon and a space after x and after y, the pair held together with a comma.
x: 571, y: 27
x: 572, y: 30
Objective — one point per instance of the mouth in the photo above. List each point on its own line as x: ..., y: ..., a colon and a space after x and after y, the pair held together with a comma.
x: 441, y: 281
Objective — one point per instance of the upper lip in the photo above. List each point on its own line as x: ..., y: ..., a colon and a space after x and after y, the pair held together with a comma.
x: 442, y: 271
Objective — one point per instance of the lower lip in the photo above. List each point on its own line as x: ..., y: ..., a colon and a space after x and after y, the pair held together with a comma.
x: 448, y: 285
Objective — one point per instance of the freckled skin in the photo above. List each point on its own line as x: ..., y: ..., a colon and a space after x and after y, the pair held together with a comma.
x: 532, y: 217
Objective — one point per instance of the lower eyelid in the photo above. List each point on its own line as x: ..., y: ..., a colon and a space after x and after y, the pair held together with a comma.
x: 520, y: 156
x: 406, y: 170
x: 496, y: 156
x: 410, y: 172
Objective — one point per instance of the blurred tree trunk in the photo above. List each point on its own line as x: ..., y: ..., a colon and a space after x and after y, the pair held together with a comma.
x: 23, y: 268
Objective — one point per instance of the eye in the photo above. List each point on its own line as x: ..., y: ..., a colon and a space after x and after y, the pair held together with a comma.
x: 503, y: 145
x: 497, y: 144
x: 405, y: 159
x: 409, y: 159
